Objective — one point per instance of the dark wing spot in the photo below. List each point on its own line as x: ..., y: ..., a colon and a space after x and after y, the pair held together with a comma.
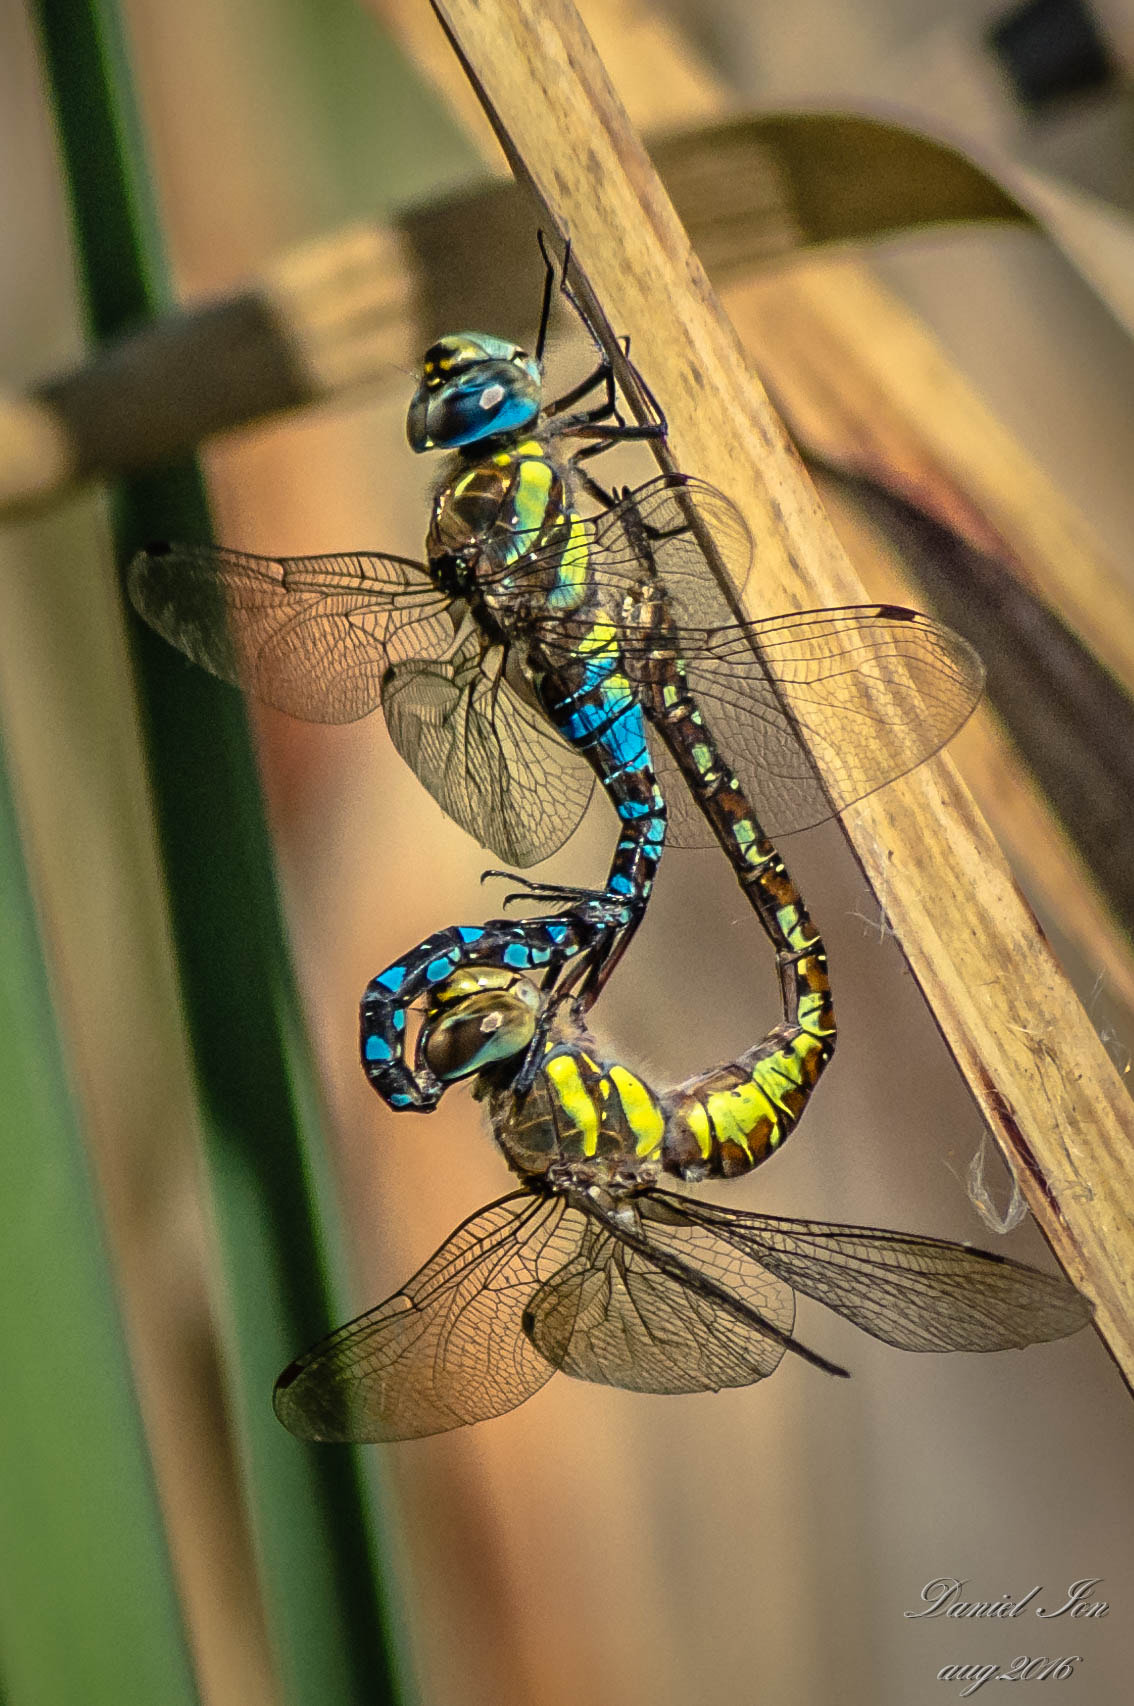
x: 288, y: 1376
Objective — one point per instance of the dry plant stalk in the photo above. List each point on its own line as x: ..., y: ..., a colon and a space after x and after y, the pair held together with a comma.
x: 1024, y: 1044
x: 902, y: 414
x: 1040, y: 851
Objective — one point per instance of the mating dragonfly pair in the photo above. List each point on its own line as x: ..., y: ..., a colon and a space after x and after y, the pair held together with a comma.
x: 536, y: 651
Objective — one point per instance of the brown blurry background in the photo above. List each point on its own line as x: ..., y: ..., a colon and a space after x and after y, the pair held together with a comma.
x: 759, y: 1545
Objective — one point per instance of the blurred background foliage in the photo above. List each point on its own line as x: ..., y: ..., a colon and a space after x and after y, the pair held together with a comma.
x: 198, y: 1181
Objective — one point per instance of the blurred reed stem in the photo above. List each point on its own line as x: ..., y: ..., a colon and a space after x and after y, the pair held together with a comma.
x: 259, y: 1106
x: 88, y: 1606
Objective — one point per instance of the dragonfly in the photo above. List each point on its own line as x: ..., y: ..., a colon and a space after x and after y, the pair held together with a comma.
x: 537, y: 650
x: 593, y: 1269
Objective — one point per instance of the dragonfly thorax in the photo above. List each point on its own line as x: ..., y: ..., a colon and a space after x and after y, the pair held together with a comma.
x: 586, y: 1125
x: 501, y: 536
x: 587, y: 1122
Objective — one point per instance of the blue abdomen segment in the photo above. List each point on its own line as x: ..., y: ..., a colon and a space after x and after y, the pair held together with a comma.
x: 600, y: 714
x: 611, y: 730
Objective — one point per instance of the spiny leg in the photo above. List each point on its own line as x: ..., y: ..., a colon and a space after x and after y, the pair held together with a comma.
x: 603, y: 423
x: 534, y: 891
x: 589, y: 327
x: 602, y: 375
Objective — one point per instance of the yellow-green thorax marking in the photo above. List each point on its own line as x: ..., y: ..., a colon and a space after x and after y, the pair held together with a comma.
x: 592, y: 1118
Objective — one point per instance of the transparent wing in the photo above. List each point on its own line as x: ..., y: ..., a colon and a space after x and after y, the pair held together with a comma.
x: 325, y: 638
x: 920, y: 1294
x: 653, y: 529
x: 491, y: 761
x: 863, y: 693
x: 448, y: 1348
x: 312, y: 636
x: 686, y: 1314
x: 873, y: 690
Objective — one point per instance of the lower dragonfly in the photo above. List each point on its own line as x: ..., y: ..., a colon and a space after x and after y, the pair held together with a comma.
x: 591, y: 1268
x: 537, y: 649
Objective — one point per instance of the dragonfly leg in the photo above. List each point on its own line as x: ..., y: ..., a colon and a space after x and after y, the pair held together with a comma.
x: 602, y: 375
x: 592, y: 333
x: 553, y: 892
x: 606, y: 434
x: 593, y: 489
x: 529, y: 890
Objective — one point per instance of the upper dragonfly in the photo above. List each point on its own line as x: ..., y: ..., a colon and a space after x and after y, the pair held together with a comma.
x: 536, y: 649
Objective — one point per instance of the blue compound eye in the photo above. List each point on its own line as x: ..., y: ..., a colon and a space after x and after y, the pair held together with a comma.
x: 473, y: 387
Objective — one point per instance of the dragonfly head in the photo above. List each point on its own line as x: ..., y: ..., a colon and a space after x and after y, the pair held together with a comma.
x: 473, y: 388
x: 478, y: 1017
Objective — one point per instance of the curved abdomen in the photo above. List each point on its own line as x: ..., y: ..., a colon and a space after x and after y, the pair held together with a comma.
x: 729, y: 1120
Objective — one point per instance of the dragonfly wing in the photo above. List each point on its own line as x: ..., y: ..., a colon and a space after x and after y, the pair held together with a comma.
x: 690, y: 1318
x: 817, y: 710
x: 492, y: 762
x: 660, y: 529
x: 920, y: 1294
x: 812, y: 710
x: 312, y: 636
x: 445, y: 1350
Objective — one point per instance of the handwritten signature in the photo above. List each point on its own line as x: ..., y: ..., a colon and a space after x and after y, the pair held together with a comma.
x: 945, y: 1597
x: 942, y: 1598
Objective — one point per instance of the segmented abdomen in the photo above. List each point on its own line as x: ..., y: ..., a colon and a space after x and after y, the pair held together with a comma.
x: 729, y: 1120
